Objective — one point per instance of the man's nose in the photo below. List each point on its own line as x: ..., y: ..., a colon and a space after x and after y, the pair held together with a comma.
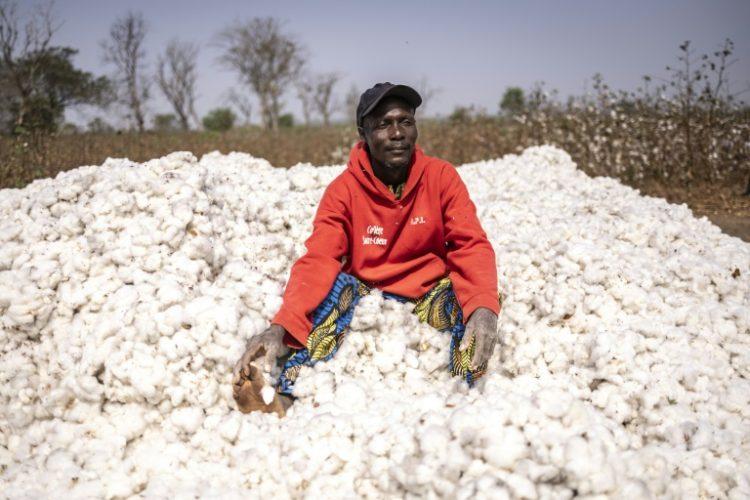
x: 396, y: 132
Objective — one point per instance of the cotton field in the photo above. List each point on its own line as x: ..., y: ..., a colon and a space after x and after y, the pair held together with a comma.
x: 128, y: 291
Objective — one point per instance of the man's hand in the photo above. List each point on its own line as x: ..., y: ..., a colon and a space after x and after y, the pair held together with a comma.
x: 482, y: 329
x: 260, y: 356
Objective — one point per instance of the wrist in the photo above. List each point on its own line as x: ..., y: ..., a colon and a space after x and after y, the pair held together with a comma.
x: 276, y: 330
x: 483, y: 312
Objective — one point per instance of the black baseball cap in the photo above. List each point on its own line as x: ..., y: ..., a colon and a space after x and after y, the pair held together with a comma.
x: 371, y: 97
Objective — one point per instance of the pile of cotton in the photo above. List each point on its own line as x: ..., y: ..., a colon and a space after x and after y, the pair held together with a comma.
x: 128, y: 291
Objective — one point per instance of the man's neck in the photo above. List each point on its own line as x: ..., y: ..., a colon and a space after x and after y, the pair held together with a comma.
x: 390, y: 176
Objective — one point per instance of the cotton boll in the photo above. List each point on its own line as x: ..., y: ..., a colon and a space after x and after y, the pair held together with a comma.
x: 128, y: 420
x: 268, y: 394
x: 271, y: 303
x: 302, y: 178
x: 187, y: 419
x: 737, y: 398
x: 633, y: 488
x: 62, y: 463
x: 434, y: 440
x: 86, y: 388
x: 553, y: 403
x: 520, y: 486
x: 391, y: 352
x: 585, y: 460
x: 170, y: 292
x: 226, y: 316
x: 352, y: 395
x: 230, y: 425
x: 505, y: 447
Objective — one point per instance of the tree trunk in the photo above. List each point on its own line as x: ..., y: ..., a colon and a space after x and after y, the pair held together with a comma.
x: 275, y: 113
x: 184, y: 122
x: 135, y: 106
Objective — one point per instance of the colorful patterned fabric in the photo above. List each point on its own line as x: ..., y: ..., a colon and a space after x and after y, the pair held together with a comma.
x: 439, y: 308
x: 397, y: 190
x: 330, y: 320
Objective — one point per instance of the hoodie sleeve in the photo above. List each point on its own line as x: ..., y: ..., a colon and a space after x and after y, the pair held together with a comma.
x: 313, y: 274
x: 471, y: 259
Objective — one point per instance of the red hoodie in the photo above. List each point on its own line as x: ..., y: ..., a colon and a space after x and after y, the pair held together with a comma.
x: 400, y: 246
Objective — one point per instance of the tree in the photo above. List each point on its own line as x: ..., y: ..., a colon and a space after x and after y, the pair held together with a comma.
x: 68, y: 128
x: 267, y: 60
x: 305, y: 94
x: 316, y: 94
x: 461, y: 114
x: 175, y: 75
x: 165, y: 122
x: 219, y: 120
x: 99, y: 126
x: 513, y: 102
x: 426, y: 92
x: 38, y: 80
x: 286, y: 120
x: 241, y: 103
x: 56, y: 85
x: 323, y: 95
x: 351, y: 101
x: 124, y: 50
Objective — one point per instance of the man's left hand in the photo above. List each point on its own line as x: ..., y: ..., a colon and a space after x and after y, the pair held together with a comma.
x: 482, y: 326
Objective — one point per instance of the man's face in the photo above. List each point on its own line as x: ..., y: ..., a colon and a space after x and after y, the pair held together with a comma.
x: 390, y: 131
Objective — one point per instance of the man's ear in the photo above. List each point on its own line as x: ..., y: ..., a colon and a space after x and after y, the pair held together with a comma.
x: 361, y: 132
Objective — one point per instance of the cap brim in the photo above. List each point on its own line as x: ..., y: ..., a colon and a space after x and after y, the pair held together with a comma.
x: 404, y: 92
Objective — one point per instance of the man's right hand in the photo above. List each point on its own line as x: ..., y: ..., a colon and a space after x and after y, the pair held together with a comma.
x: 262, y: 352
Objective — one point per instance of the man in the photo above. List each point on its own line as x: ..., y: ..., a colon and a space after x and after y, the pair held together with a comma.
x: 397, y: 220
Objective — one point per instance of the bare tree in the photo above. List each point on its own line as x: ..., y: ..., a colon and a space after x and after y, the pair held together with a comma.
x: 267, y: 60
x: 124, y: 49
x: 427, y: 92
x: 323, y: 95
x: 305, y: 94
x: 315, y: 92
x: 242, y: 103
x: 175, y: 75
x: 18, y: 66
x: 351, y: 101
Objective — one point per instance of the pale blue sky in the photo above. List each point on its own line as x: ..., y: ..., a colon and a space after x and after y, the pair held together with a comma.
x: 470, y: 50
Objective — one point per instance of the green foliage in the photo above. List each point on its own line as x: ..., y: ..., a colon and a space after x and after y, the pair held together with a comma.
x: 286, y: 120
x: 44, y: 84
x: 460, y: 114
x: 68, y: 128
x: 219, y: 120
x: 99, y: 126
x: 464, y: 114
x: 165, y: 122
x: 512, y: 102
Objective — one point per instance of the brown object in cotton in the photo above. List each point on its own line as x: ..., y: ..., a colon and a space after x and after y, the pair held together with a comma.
x: 247, y: 393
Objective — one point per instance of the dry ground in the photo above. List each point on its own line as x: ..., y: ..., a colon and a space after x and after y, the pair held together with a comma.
x: 724, y: 206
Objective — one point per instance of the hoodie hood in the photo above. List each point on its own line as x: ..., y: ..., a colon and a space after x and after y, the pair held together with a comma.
x: 359, y: 165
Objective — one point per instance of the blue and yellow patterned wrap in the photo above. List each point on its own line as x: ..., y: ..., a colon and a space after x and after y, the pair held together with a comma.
x: 438, y: 307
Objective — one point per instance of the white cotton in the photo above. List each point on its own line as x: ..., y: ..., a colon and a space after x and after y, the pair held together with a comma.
x: 128, y: 292
x: 504, y: 446
x: 187, y: 419
x: 267, y: 393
